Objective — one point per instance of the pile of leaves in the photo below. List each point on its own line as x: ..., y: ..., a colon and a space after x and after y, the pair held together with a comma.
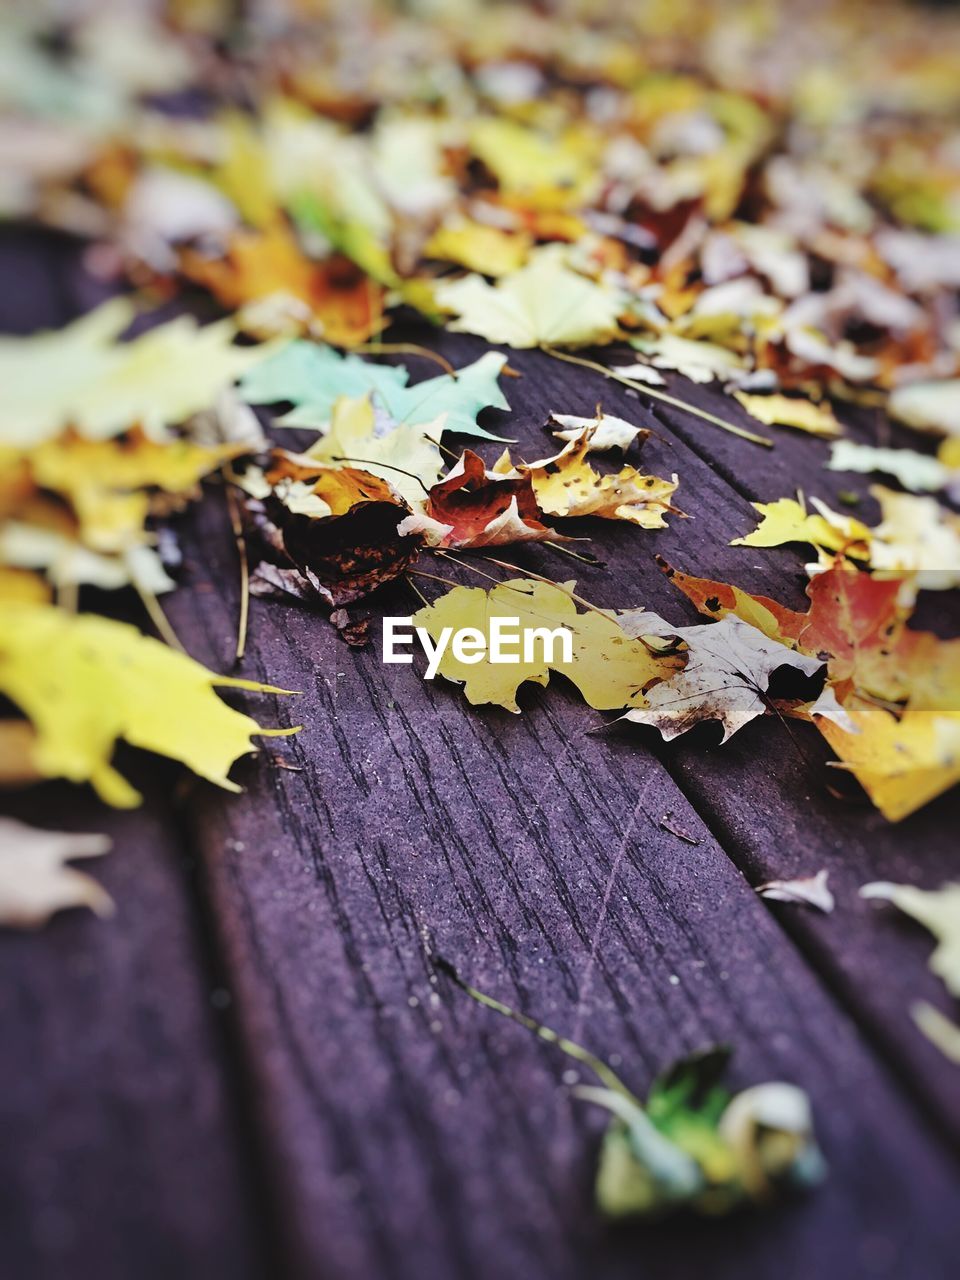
x: 657, y: 195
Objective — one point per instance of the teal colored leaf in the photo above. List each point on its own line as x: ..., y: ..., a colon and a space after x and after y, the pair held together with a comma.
x: 314, y: 377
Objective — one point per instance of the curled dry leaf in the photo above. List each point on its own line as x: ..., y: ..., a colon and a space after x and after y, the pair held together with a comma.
x: 567, y: 485
x: 606, y: 431
x: 937, y: 910
x: 473, y: 507
x: 810, y: 891
x: 35, y: 883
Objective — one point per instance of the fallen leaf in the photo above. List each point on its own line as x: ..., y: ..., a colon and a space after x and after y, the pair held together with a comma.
x: 690, y: 1145
x: 487, y: 250
x: 786, y: 521
x: 939, y: 1030
x: 937, y: 910
x: 81, y: 376
x: 788, y: 411
x: 610, y: 669
x: 35, y: 883
x: 402, y: 453
x: 915, y: 471
x: 473, y: 507
x: 606, y: 431
x: 567, y: 485
x: 728, y: 669
x: 544, y: 303
x: 85, y: 682
x: 916, y: 534
x: 314, y: 378
x: 699, y: 361
x: 333, y: 299
x: 901, y: 762
x: 933, y: 407
x: 811, y: 891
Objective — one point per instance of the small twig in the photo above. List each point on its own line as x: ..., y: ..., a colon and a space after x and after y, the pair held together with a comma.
x: 600, y: 1069
x: 645, y: 389
x: 374, y: 462
x: 558, y: 546
x: 405, y: 348
x: 240, y: 541
x: 413, y: 587
x: 158, y: 617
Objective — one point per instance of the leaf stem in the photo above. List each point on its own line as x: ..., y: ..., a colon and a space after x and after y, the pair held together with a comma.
x: 573, y: 1050
x: 645, y: 389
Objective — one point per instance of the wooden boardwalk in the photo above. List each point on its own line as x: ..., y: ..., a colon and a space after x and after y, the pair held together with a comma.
x: 256, y: 1069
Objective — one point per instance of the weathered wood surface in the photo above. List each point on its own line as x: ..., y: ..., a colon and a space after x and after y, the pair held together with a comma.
x: 392, y: 1127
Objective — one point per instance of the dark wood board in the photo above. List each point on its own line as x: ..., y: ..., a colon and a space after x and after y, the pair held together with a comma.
x: 389, y: 1126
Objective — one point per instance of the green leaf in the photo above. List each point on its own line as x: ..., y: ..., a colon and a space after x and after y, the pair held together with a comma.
x: 315, y: 377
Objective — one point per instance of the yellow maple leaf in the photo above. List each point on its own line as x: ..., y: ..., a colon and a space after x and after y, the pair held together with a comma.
x: 787, y: 521
x: 403, y: 454
x: 567, y: 485
x: 544, y: 303
x: 610, y: 669
x: 788, y: 411
x: 81, y: 376
x: 487, y: 250
x: 85, y: 682
x: 902, y: 763
x: 538, y: 171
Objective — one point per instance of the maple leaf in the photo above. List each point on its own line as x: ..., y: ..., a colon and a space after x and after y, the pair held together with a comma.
x: 728, y: 668
x: 85, y: 682
x: 609, y: 668
x: 916, y: 534
x: 902, y: 762
x: 106, y: 481
x: 567, y: 485
x: 487, y: 250
x: 402, y: 453
x: 278, y: 288
x: 539, y: 171
x: 34, y: 880
x: 937, y: 910
x: 789, y: 411
x: 473, y: 507
x: 786, y: 520
x: 82, y: 377
x: 313, y: 378
x: 544, y: 303
x: 698, y: 361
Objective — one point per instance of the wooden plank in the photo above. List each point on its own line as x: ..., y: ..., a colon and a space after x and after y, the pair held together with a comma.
x: 413, y: 1134
x: 766, y: 792
x: 123, y: 1150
